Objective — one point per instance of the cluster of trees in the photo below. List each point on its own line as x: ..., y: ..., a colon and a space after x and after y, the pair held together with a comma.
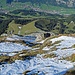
x: 22, y: 21
x: 4, y: 25
x: 34, y: 13
x: 29, y: 12
x: 58, y: 26
x: 8, y: 16
x: 71, y: 18
x: 9, y: 1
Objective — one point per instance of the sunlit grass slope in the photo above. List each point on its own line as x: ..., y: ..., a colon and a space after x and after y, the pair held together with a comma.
x: 25, y: 29
x: 29, y: 28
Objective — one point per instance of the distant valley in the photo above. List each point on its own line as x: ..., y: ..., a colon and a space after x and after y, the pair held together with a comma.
x: 37, y: 37
x: 48, y: 6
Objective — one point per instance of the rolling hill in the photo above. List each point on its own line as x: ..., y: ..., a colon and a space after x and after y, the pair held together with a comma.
x: 22, y: 29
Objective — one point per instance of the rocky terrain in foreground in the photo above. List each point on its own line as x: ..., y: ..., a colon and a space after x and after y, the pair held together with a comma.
x: 51, y: 56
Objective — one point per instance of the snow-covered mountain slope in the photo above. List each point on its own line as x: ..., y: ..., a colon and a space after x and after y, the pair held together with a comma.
x: 64, y: 46
x: 38, y: 66
x: 43, y: 64
x: 10, y: 49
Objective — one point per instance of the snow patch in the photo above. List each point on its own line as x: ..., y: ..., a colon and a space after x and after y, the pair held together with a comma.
x: 36, y: 65
x: 63, y: 38
x: 12, y: 47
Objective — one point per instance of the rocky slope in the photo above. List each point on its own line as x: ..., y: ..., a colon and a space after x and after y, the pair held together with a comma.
x: 49, y: 59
